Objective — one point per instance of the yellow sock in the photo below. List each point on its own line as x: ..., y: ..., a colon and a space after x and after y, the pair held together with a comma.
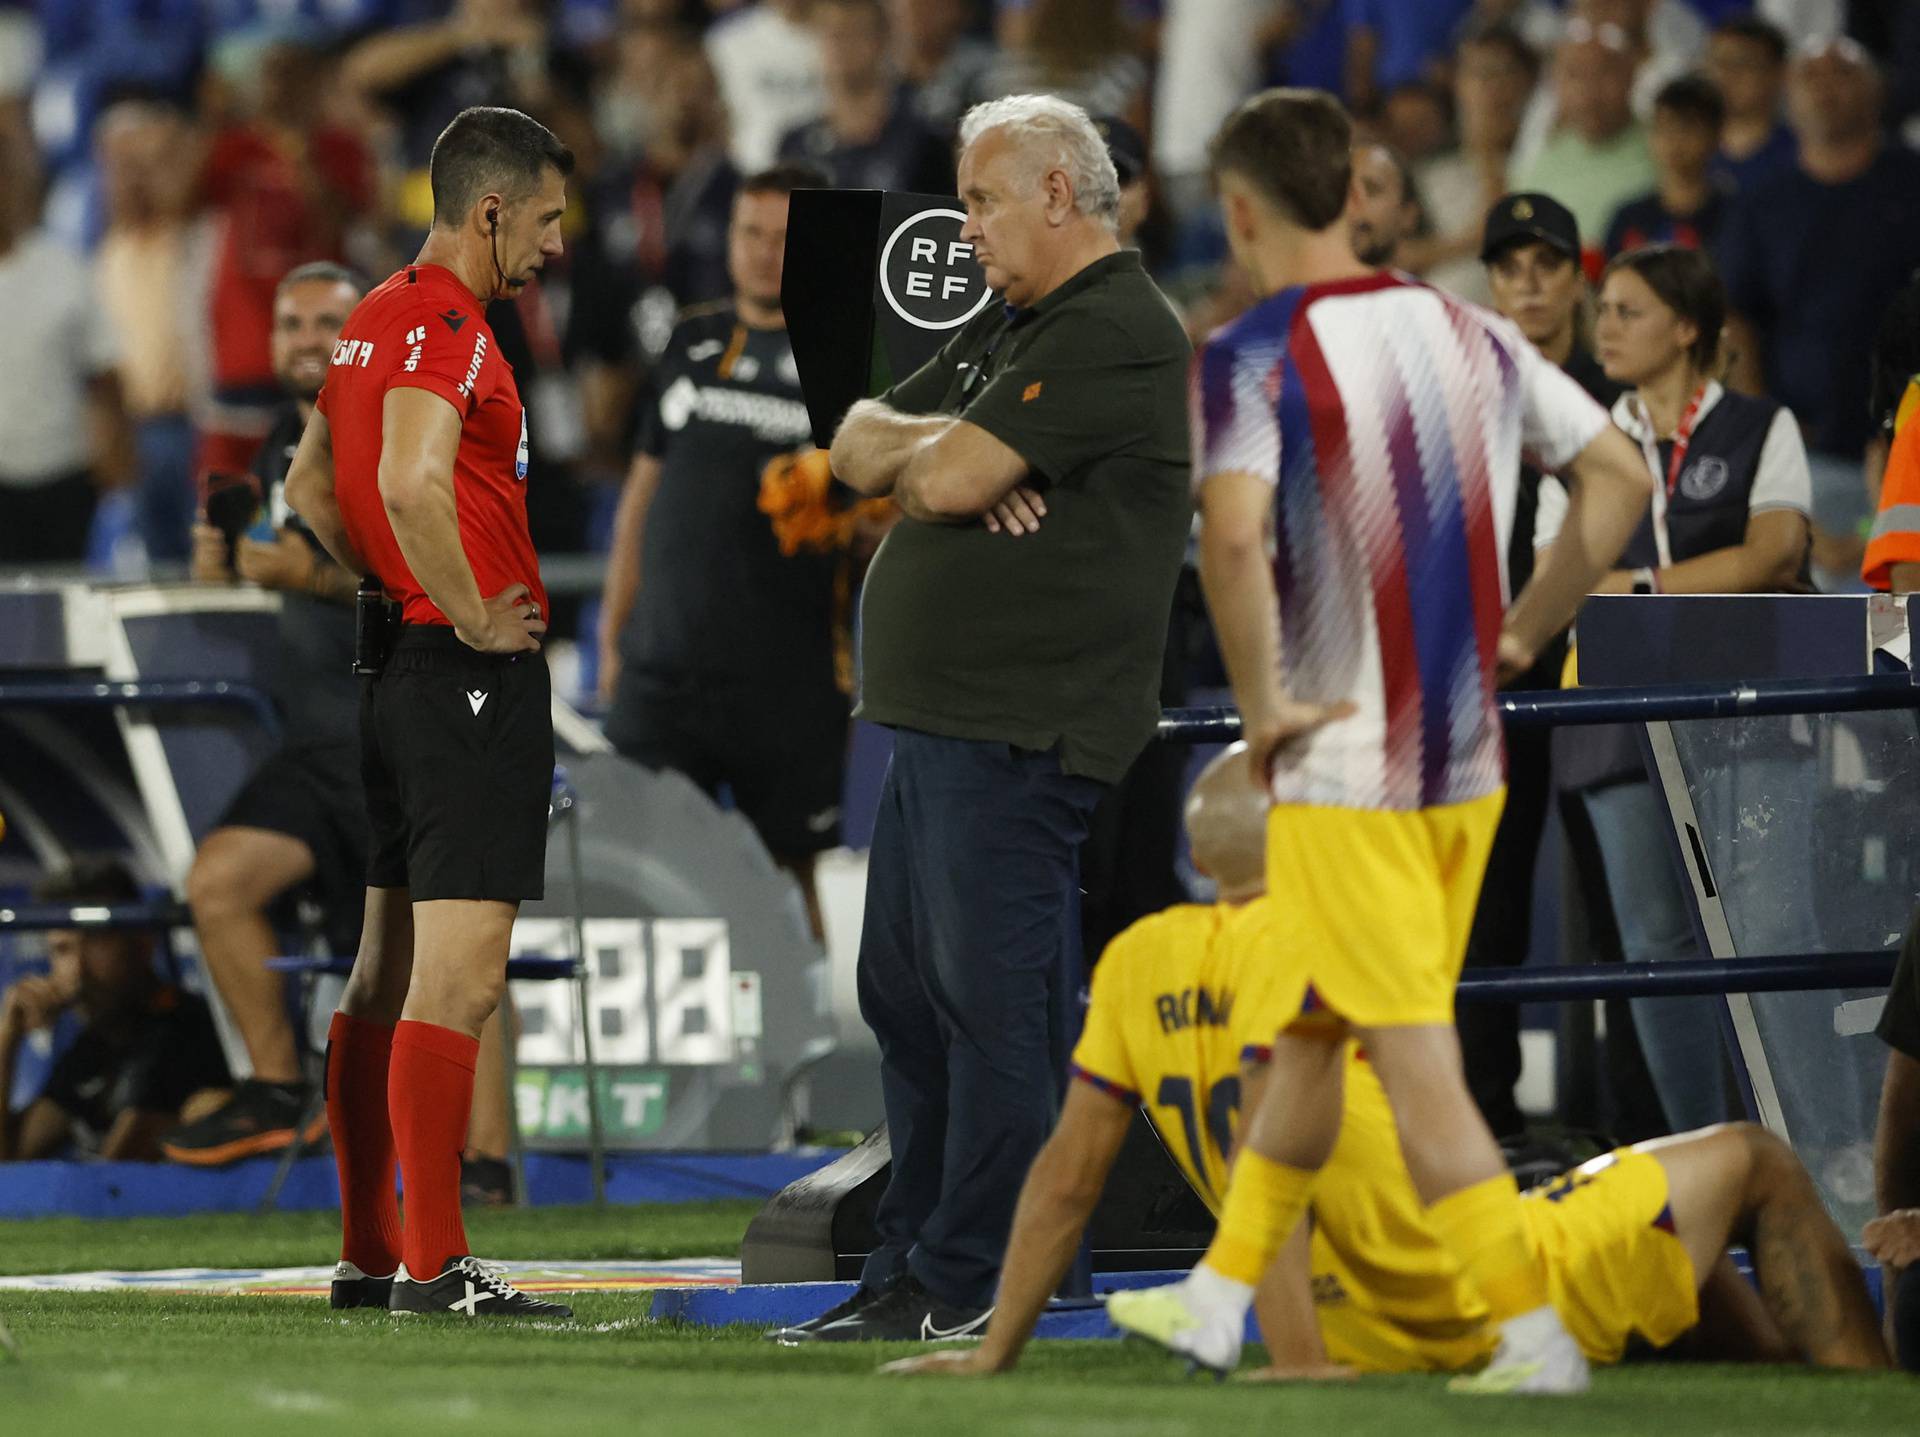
x: 1264, y: 1202
x: 1482, y: 1228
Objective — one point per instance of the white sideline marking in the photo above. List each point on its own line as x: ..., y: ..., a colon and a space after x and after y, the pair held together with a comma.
x: 536, y: 1275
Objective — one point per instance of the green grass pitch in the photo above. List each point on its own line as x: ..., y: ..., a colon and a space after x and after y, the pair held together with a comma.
x: 142, y: 1363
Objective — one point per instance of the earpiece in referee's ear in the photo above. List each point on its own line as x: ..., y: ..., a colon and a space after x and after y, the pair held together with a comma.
x: 493, y: 219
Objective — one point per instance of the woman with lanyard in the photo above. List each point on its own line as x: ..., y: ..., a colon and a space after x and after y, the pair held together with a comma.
x: 1729, y: 516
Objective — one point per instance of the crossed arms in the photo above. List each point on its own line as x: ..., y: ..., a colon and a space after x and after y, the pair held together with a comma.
x: 940, y: 470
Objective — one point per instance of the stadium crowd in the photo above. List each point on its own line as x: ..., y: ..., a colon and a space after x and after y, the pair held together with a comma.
x: 165, y: 164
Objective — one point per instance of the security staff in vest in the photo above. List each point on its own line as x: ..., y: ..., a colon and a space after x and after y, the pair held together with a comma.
x: 1730, y: 515
x: 1013, y: 625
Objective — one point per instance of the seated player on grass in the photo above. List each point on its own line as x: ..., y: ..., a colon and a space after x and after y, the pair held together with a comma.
x: 1635, y: 1241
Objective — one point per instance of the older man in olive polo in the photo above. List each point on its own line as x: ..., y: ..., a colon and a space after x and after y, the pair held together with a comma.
x: 1013, y: 628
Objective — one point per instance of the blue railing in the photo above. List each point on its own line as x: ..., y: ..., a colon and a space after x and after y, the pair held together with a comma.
x: 1665, y: 703
x: 150, y: 693
x: 1542, y: 708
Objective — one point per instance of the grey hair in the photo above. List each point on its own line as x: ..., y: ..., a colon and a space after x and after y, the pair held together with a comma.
x: 1052, y: 133
x: 324, y: 270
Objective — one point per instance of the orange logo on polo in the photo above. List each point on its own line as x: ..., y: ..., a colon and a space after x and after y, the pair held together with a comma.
x: 1030, y: 393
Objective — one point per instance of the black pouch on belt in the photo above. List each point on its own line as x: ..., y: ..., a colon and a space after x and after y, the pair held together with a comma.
x: 376, y: 623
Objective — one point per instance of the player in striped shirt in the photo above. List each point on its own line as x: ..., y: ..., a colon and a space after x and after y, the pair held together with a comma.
x: 1357, y: 442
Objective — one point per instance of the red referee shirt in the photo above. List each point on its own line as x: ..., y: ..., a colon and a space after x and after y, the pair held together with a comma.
x: 424, y: 329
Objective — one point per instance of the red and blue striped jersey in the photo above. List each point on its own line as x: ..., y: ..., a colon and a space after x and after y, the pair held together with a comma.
x: 1391, y: 419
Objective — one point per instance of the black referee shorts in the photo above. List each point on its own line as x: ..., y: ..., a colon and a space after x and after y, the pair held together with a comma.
x: 456, y: 749
x: 311, y: 792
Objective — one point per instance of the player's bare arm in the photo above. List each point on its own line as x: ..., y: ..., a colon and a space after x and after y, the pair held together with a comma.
x: 420, y: 434
x: 1056, y: 1201
x: 1288, y: 1324
x: 623, y: 564
x: 1238, y: 582
x: 309, y: 490
x: 1608, y: 490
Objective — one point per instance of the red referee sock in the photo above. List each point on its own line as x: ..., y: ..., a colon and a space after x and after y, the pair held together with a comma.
x: 430, y: 1098
x: 357, y: 1055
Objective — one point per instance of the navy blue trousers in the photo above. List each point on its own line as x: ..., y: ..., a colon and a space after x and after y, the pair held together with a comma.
x: 970, y: 971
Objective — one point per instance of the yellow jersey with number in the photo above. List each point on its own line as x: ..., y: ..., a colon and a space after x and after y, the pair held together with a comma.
x: 1160, y: 1028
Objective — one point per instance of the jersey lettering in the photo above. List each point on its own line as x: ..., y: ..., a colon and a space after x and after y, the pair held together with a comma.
x: 1191, y: 1006
x: 473, y: 365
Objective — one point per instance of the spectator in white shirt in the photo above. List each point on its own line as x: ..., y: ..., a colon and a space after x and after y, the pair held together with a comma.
x: 767, y: 58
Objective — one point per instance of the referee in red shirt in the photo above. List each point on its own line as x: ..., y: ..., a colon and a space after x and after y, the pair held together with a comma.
x: 413, y: 471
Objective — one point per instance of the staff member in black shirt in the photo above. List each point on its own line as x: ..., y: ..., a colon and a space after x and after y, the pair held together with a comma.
x: 716, y: 650
x: 1730, y: 516
x: 1013, y: 628
x: 1532, y: 253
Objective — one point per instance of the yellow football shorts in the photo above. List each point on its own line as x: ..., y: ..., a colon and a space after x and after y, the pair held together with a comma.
x: 1615, y: 1270
x: 1385, y: 901
x: 1614, y: 1265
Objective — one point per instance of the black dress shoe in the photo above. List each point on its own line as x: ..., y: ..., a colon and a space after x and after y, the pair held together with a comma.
x: 906, y: 1312
x: 859, y: 1300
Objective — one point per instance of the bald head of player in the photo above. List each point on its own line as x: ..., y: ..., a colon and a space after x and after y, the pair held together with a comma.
x: 499, y: 189
x: 1283, y: 167
x: 1227, y: 827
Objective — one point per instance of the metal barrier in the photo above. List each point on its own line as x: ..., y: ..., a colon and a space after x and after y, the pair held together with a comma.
x: 1711, y: 976
x: 154, y: 693
x: 1546, y: 708
x: 1664, y: 703
x: 44, y: 917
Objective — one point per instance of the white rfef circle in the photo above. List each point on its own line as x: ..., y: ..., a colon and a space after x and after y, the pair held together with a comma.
x: 886, y: 288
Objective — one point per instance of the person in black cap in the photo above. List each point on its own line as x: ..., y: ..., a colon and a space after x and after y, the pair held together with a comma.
x: 1531, y: 250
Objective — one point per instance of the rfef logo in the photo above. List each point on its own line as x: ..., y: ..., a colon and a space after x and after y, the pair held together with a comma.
x: 928, y: 274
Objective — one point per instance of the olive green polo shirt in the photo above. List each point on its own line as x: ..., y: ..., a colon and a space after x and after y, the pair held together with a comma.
x: 1055, y: 638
